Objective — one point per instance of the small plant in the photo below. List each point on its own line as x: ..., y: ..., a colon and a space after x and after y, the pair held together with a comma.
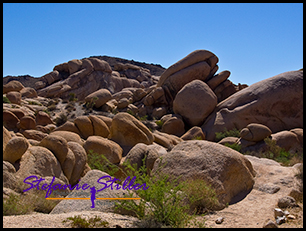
x: 34, y: 103
x: 27, y: 203
x: 202, y: 197
x: 6, y: 100
x: 100, y: 162
x: 234, y: 146
x: 143, y: 118
x: 61, y: 119
x: 12, y: 206
x: 197, y: 138
x: 167, y: 202
x: 227, y: 133
x: 93, y: 222
x: 159, y: 123
x: 72, y: 97
x: 280, y: 154
x: 91, y: 103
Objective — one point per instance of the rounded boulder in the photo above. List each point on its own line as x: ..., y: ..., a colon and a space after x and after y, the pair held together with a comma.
x: 194, y: 102
x: 126, y: 130
x: 15, y: 148
x: 228, y: 172
x: 97, y: 144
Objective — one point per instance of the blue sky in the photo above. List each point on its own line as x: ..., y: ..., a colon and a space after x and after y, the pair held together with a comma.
x: 253, y: 41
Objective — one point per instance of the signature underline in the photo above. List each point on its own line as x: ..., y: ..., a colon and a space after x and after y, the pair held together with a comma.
x: 111, y: 198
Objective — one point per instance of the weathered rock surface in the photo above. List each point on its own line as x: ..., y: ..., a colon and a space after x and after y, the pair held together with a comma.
x: 40, y: 161
x: 126, y: 130
x: 228, y: 171
x: 91, y: 178
x: 194, y: 102
x: 276, y: 102
x: 97, y: 144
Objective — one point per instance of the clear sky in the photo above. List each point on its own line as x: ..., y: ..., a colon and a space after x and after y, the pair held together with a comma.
x: 252, y: 41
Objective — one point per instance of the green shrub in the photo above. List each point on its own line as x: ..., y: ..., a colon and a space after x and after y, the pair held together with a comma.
x: 166, y: 203
x: 6, y: 100
x: 202, y: 197
x: 61, y: 119
x: 159, y: 123
x: 27, y: 203
x: 279, y: 154
x: 72, y: 97
x: 234, y: 146
x: 79, y: 222
x: 227, y: 133
x: 161, y: 203
x: 34, y: 103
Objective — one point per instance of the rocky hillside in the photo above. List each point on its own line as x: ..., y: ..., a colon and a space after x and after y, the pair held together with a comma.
x: 29, y: 81
x: 198, y: 121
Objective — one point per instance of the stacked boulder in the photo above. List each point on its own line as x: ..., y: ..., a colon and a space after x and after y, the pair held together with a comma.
x: 83, y: 77
x: 276, y: 102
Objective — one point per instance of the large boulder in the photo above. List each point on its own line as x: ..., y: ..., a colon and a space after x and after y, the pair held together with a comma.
x: 43, y: 118
x: 9, y: 178
x: 126, y: 130
x: 13, y: 85
x: 276, y: 102
x: 28, y: 92
x: 173, y: 124
x: 80, y: 161
x: 99, y: 97
x: 39, y: 161
x: 10, y: 120
x: 14, y: 97
x: 69, y: 136
x: 103, y: 146
x: 226, y: 170
x: 15, y: 148
x: 287, y: 140
x: 99, y: 126
x: 255, y: 132
x: 199, y: 64
x: 84, y: 125
x: 27, y: 122
x: 90, y: 179
x: 142, y: 154
x: 6, y: 137
x: 194, y: 102
x: 57, y: 145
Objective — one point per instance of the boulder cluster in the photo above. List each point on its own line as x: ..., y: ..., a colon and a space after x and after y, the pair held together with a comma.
x: 131, y: 115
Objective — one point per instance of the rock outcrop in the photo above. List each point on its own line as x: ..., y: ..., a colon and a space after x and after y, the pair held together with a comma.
x: 276, y: 102
x: 227, y: 171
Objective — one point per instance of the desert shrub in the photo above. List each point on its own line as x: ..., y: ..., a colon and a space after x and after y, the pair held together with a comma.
x: 227, y: 133
x: 202, y: 197
x: 72, y: 97
x: 100, y: 162
x: 27, y: 203
x: 279, y: 154
x: 235, y: 146
x: 34, y: 103
x: 159, y: 123
x: 61, y: 119
x: 161, y: 203
x: 166, y: 202
x: 93, y: 222
x: 6, y: 100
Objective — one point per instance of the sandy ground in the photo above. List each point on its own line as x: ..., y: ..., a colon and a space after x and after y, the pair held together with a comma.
x: 253, y: 211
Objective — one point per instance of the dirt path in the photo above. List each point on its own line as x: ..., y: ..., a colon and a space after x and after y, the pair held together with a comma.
x: 258, y: 206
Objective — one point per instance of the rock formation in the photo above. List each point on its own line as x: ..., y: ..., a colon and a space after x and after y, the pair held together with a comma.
x: 136, y: 112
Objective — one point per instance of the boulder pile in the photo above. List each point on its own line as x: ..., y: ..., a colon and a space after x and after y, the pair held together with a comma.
x: 127, y: 114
